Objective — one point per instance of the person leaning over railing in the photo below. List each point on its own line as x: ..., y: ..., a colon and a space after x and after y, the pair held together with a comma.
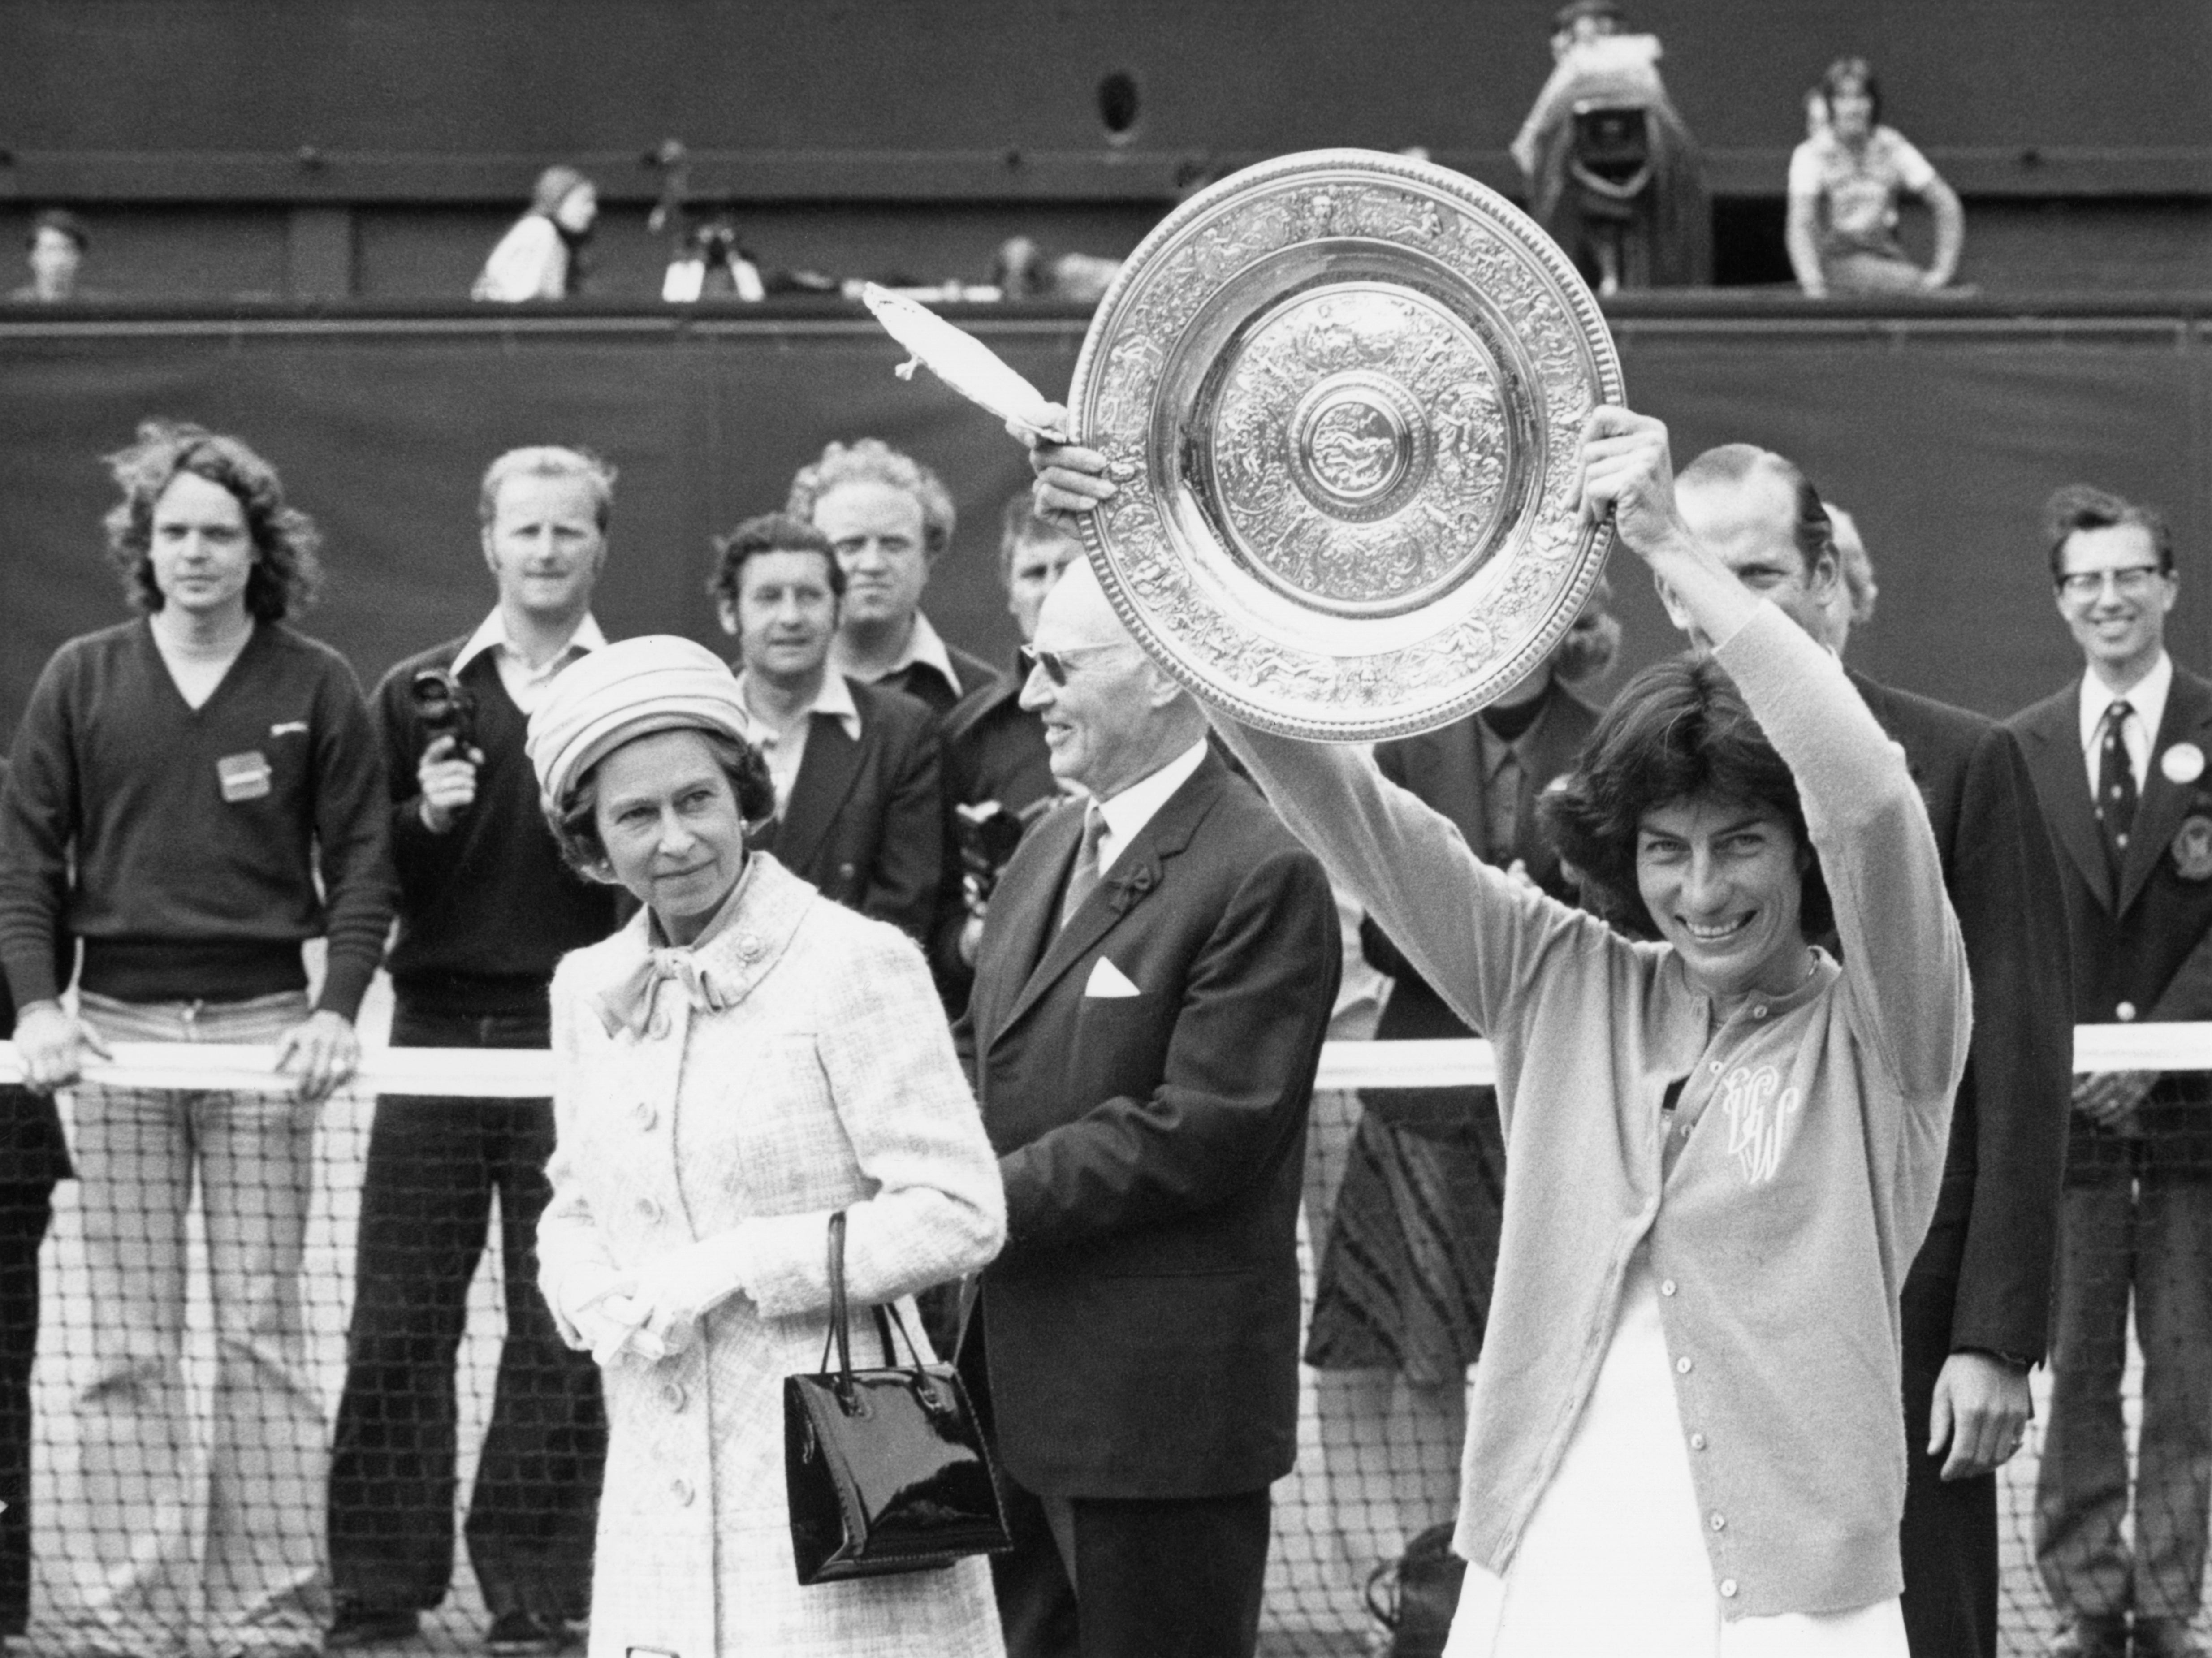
x: 194, y: 794
x: 1722, y: 1148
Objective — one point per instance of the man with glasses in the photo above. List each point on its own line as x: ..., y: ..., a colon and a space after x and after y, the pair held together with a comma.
x: 1157, y: 972
x: 2119, y: 760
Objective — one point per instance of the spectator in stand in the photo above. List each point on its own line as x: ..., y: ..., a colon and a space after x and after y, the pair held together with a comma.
x: 487, y: 909
x: 193, y: 796
x: 855, y: 766
x: 1845, y: 182
x: 2118, y: 759
x: 890, y: 520
x: 1976, y: 1303
x: 542, y: 255
x: 998, y: 771
x: 33, y: 1158
x: 57, y: 243
x: 1658, y: 233
x: 1403, y: 1291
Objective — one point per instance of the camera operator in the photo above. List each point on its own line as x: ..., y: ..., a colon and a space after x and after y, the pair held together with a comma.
x: 486, y: 908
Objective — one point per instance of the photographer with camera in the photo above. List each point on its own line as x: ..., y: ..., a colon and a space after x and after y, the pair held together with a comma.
x: 486, y: 908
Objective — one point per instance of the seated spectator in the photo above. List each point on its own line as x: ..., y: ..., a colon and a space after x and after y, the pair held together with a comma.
x: 1023, y: 271
x: 1844, y: 180
x: 890, y: 520
x: 542, y: 255
x: 1637, y: 216
x: 855, y: 766
x: 57, y: 243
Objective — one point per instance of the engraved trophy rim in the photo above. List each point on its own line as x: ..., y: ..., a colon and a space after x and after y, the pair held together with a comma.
x: 1339, y: 390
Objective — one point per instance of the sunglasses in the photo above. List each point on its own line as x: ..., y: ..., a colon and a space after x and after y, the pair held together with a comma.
x: 1056, y: 664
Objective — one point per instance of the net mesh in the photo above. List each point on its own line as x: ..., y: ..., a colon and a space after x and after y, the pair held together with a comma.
x: 242, y: 1498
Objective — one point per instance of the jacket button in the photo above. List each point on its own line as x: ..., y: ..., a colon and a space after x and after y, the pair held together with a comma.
x: 1665, y: 1286
x: 1728, y: 1588
x: 844, y: 872
x: 681, y: 1490
x: 1682, y: 1366
x: 2126, y: 1012
x: 1713, y: 1066
x: 648, y: 1209
x: 1719, y: 1522
x: 749, y: 946
x: 659, y: 1027
x: 1697, y: 1441
x: 644, y: 1112
x: 1758, y: 1012
x: 673, y: 1396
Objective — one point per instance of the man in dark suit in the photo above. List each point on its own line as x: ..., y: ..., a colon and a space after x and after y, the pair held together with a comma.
x: 1157, y: 973
x: 856, y: 766
x: 34, y: 1157
x: 2118, y: 759
x: 1976, y: 1302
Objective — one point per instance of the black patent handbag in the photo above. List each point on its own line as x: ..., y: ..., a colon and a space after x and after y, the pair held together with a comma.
x: 885, y: 1470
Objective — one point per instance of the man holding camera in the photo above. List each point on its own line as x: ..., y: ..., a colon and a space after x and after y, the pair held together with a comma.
x: 486, y: 909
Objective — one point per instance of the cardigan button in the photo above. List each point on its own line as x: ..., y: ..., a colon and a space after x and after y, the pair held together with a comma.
x: 1719, y: 1522
x: 1713, y: 1066
x: 1758, y: 1012
x: 2126, y: 1012
x: 646, y: 1115
x: 1697, y: 1441
x: 1728, y: 1588
x: 659, y: 1027
x: 1665, y: 1286
x: 649, y: 1209
x: 749, y: 946
x: 682, y: 1492
x: 673, y: 1396
x: 1682, y: 1366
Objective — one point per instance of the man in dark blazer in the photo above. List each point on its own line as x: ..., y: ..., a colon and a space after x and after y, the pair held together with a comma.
x: 1157, y: 973
x: 2119, y: 758
x: 33, y: 1158
x: 855, y: 766
x: 1975, y: 1305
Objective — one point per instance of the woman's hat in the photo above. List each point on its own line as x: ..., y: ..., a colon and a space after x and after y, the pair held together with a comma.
x: 620, y: 692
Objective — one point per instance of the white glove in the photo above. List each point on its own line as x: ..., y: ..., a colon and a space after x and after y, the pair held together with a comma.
x: 599, y: 1312
x: 675, y: 1292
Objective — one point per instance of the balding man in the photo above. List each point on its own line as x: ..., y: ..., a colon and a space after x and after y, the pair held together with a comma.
x: 1976, y: 1303
x: 1157, y: 972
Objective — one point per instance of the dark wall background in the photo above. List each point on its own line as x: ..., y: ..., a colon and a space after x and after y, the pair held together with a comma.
x: 1943, y: 436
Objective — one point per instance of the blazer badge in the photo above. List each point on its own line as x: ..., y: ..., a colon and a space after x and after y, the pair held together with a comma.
x: 2192, y: 848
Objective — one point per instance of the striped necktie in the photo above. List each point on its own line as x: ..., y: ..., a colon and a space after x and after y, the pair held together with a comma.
x: 1083, y: 875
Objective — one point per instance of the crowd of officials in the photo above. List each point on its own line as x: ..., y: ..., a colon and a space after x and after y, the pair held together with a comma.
x: 1027, y: 974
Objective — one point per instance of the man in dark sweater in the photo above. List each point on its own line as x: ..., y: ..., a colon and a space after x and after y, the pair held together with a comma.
x: 486, y: 910
x: 179, y: 783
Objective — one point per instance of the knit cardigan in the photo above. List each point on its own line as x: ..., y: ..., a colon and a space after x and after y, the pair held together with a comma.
x: 1810, y: 1133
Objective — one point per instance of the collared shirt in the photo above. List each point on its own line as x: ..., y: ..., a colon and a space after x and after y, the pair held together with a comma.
x: 525, y: 685
x: 923, y: 644
x: 1133, y: 807
x: 785, y: 750
x: 2146, y: 702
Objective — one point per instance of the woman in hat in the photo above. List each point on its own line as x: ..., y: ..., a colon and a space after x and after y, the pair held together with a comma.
x: 542, y: 255
x: 742, y: 1061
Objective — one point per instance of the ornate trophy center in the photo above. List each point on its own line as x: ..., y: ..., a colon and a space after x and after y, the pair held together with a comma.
x: 1357, y: 448
x: 1351, y: 443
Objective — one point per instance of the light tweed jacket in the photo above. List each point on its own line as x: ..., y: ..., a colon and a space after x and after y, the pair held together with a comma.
x: 829, y: 1083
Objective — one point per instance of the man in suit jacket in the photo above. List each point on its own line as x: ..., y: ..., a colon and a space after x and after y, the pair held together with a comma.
x: 2118, y: 759
x: 1157, y: 973
x: 855, y: 766
x: 1975, y: 1303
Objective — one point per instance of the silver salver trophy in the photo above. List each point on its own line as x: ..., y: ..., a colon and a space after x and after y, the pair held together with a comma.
x: 1341, y: 393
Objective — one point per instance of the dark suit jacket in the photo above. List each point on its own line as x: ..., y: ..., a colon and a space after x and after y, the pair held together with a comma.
x: 1983, y: 1277
x: 864, y: 822
x: 925, y: 685
x: 1141, y: 1326
x: 1443, y: 768
x: 2144, y: 951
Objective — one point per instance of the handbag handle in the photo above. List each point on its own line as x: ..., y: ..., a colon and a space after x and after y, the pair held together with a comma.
x: 885, y: 1316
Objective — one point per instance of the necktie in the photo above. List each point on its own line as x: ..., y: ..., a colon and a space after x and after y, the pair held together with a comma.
x: 2116, y: 786
x: 1083, y: 876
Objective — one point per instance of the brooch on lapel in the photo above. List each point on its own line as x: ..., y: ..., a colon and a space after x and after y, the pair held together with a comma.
x: 2192, y: 848
x: 1139, y: 882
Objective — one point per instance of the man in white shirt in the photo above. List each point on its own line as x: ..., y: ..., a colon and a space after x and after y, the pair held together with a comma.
x: 890, y: 519
x: 856, y: 766
x: 2119, y: 763
x: 487, y: 909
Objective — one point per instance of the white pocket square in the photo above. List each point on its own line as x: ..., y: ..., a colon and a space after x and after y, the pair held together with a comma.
x: 1106, y: 979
